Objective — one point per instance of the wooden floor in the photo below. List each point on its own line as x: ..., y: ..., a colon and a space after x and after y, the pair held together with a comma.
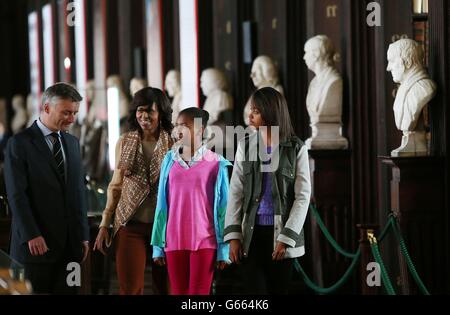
x: 226, y: 283
x: 114, y: 283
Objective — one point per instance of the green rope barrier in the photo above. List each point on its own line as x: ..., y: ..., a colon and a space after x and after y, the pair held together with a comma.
x: 409, y: 261
x: 335, y: 286
x: 328, y: 235
x: 387, y: 228
x: 376, y: 254
x: 391, y: 224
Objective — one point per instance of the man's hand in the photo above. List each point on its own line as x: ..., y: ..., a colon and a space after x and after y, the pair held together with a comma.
x: 280, y: 251
x: 235, y: 251
x: 159, y: 261
x: 101, y: 239
x: 38, y: 246
x: 85, y: 250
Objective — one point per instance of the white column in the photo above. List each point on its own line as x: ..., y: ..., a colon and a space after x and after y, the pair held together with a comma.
x: 81, y: 54
x: 35, y: 74
x: 49, y: 46
x: 154, y: 33
x: 113, y: 124
x: 189, y: 53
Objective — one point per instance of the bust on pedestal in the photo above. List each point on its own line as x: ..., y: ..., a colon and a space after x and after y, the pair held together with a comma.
x: 20, y: 119
x: 173, y: 88
x: 264, y: 74
x: 405, y: 62
x: 32, y: 109
x: 324, y: 99
x: 137, y: 84
x: 214, y: 86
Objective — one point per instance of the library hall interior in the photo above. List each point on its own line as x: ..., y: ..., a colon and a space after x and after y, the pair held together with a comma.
x: 224, y: 147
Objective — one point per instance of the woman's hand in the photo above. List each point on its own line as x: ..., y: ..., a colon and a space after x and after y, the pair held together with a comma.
x: 235, y: 251
x: 102, y: 240
x: 279, y: 252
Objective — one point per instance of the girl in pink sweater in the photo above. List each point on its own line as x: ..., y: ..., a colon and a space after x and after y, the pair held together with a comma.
x: 189, y: 220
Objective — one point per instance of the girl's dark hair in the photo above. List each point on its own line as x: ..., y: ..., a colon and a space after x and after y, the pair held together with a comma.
x: 195, y: 112
x: 148, y: 96
x: 274, y: 111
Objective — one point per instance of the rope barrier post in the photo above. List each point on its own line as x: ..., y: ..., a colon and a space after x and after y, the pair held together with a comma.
x: 366, y: 257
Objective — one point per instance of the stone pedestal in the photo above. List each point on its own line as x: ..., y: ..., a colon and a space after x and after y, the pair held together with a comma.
x: 414, y: 143
x: 326, y: 136
x: 417, y: 199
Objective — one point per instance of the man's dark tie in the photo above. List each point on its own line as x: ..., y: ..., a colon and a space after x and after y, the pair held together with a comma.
x: 58, y: 154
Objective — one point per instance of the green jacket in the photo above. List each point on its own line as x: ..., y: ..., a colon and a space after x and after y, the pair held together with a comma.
x: 291, y: 190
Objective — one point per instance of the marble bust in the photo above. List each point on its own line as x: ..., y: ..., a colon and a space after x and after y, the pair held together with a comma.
x: 405, y: 62
x: 173, y: 87
x: 137, y: 84
x: 114, y: 81
x: 20, y: 118
x: 264, y: 73
x: 33, y: 109
x: 214, y: 86
x: 91, y: 100
x: 324, y: 98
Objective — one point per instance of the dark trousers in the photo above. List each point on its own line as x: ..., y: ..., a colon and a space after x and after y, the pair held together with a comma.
x: 51, y: 278
x: 132, y: 251
x: 260, y: 273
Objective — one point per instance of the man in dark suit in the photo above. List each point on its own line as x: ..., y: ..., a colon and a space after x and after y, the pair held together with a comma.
x: 46, y: 193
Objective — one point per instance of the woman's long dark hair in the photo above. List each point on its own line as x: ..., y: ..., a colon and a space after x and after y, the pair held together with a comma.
x: 274, y: 111
x: 148, y: 96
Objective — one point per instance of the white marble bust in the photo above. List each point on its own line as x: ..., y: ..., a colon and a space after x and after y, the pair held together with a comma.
x: 324, y: 98
x: 405, y: 62
x: 214, y: 86
x: 90, y: 99
x: 20, y: 118
x: 137, y: 84
x: 173, y: 88
x: 264, y: 73
x: 114, y: 81
x: 33, y: 109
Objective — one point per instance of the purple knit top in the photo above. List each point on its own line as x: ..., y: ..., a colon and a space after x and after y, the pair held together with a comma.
x: 264, y: 214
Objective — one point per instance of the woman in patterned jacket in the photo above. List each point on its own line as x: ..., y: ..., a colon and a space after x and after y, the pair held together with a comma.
x: 132, y: 192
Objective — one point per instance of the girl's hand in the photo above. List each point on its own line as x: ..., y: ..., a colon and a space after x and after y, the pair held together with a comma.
x: 280, y: 251
x: 221, y: 265
x: 235, y: 251
x: 160, y: 261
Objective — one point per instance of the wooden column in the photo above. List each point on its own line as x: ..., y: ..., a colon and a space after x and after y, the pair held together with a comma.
x: 325, y: 18
x: 204, y: 40
x: 331, y: 190
x: 417, y: 199
x: 171, y: 30
x: 226, y: 30
x: 106, y: 56
x: 439, y: 21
